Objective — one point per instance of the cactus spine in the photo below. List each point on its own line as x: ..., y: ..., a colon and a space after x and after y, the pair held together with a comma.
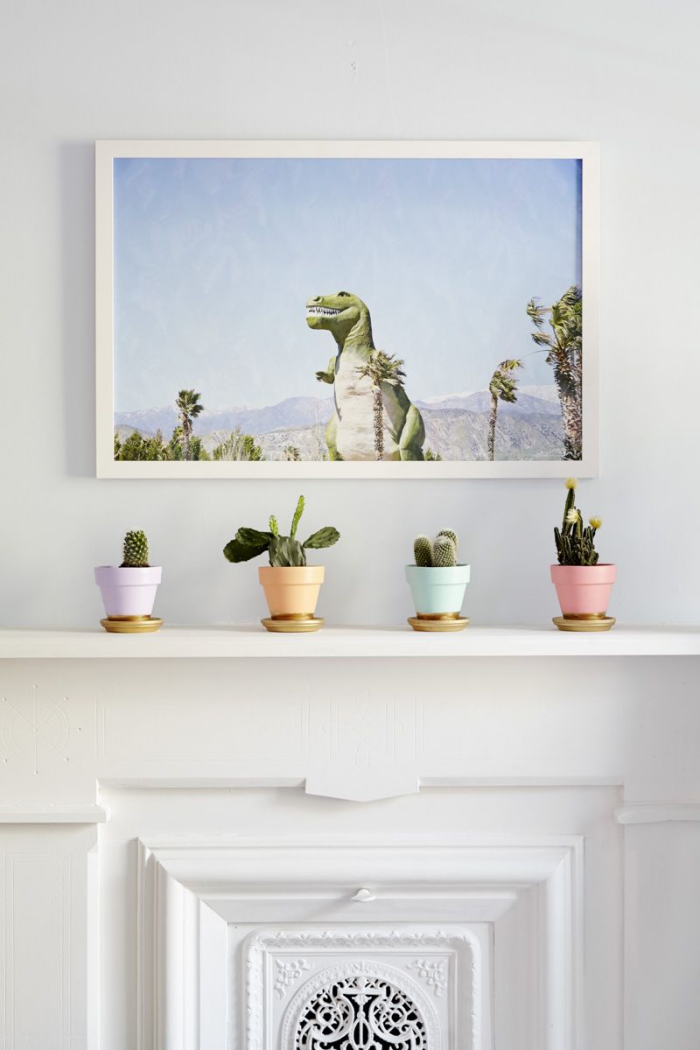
x: 441, y: 553
x: 135, y: 551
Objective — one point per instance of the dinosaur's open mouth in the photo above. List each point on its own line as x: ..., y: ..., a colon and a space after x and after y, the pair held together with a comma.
x: 321, y: 311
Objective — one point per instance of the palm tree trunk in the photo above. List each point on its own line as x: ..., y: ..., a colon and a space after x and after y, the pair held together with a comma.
x: 186, y: 436
x: 378, y: 422
x: 567, y: 376
x: 571, y: 415
x: 492, y: 427
x: 571, y: 419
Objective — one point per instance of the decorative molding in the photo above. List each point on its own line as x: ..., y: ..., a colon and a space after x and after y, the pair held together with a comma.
x: 263, y: 945
x: 288, y: 973
x: 657, y: 812
x: 476, y: 881
x: 58, y: 814
x: 432, y: 971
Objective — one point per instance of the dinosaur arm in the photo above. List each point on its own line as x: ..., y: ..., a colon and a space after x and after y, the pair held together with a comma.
x: 329, y: 375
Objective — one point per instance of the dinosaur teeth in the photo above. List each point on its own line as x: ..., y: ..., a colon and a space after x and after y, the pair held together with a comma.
x: 323, y: 310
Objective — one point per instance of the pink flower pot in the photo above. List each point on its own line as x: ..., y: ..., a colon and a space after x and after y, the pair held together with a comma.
x: 128, y: 591
x: 583, y: 590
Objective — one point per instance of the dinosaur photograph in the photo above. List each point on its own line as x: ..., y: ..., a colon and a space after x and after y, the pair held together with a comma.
x: 451, y: 290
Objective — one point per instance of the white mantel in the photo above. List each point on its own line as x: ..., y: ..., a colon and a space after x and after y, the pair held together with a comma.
x: 250, y: 641
x: 505, y: 739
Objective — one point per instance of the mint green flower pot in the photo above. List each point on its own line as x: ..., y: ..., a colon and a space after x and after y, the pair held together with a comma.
x: 438, y: 591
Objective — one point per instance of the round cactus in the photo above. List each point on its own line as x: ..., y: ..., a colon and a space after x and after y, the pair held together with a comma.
x: 135, y: 551
x: 444, y: 553
x: 451, y: 534
x: 423, y: 551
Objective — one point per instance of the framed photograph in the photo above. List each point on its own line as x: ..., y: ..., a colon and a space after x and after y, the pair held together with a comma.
x: 347, y: 309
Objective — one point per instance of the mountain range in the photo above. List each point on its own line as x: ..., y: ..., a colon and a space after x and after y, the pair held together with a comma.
x: 300, y: 412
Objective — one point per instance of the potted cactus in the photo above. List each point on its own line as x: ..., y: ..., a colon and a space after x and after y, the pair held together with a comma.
x: 582, y: 582
x: 438, y: 583
x: 129, y: 590
x: 291, y: 586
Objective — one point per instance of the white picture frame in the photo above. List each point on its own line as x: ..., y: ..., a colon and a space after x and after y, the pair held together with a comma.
x: 107, y: 152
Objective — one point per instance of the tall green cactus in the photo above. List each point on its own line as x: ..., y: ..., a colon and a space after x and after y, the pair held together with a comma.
x: 452, y: 535
x: 575, y: 542
x: 135, y: 551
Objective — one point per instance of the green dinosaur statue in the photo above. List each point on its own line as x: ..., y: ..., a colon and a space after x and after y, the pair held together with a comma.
x: 351, y: 433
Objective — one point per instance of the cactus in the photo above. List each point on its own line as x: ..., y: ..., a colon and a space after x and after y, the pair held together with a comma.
x: 575, y: 542
x: 283, y: 551
x: 297, y: 516
x: 441, y: 553
x: 423, y: 551
x: 444, y: 553
x: 135, y: 551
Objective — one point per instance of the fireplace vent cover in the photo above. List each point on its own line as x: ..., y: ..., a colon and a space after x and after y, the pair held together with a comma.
x: 360, y: 1006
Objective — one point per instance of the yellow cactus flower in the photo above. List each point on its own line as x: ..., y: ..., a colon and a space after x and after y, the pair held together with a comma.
x: 595, y: 523
x: 572, y: 518
x: 571, y: 483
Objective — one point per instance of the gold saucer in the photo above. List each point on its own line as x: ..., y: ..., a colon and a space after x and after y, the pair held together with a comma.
x: 131, y: 624
x: 447, y: 622
x: 292, y: 624
x: 593, y: 623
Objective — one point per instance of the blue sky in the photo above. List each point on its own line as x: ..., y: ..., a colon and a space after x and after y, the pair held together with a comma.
x: 215, y: 259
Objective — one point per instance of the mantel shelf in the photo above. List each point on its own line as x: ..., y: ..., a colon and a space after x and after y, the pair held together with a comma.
x: 250, y: 641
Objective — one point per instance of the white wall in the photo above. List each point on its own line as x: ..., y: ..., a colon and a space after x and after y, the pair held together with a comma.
x: 624, y: 73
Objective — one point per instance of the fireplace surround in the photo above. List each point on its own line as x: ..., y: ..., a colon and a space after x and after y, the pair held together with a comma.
x: 241, y: 851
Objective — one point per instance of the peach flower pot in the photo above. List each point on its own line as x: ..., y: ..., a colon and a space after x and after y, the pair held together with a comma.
x: 291, y: 591
x: 583, y: 590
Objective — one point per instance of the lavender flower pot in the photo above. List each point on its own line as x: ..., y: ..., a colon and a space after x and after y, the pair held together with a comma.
x: 128, y: 591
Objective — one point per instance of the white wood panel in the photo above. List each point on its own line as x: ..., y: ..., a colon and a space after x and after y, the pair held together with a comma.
x: 662, y: 940
x: 47, y: 951
x: 37, y: 903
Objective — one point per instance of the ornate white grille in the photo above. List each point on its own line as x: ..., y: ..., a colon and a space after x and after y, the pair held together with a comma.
x: 359, y: 1007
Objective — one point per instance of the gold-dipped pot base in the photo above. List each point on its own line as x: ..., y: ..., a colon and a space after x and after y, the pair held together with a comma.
x: 584, y: 623
x: 295, y: 623
x: 430, y: 622
x: 131, y: 624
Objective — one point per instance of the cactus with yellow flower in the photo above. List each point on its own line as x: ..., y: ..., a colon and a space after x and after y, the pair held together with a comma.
x: 576, y: 541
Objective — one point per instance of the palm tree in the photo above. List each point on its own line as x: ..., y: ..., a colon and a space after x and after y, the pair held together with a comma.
x: 565, y: 354
x: 188, y: 408
x: 381, y: 368
x: 503, y: 387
